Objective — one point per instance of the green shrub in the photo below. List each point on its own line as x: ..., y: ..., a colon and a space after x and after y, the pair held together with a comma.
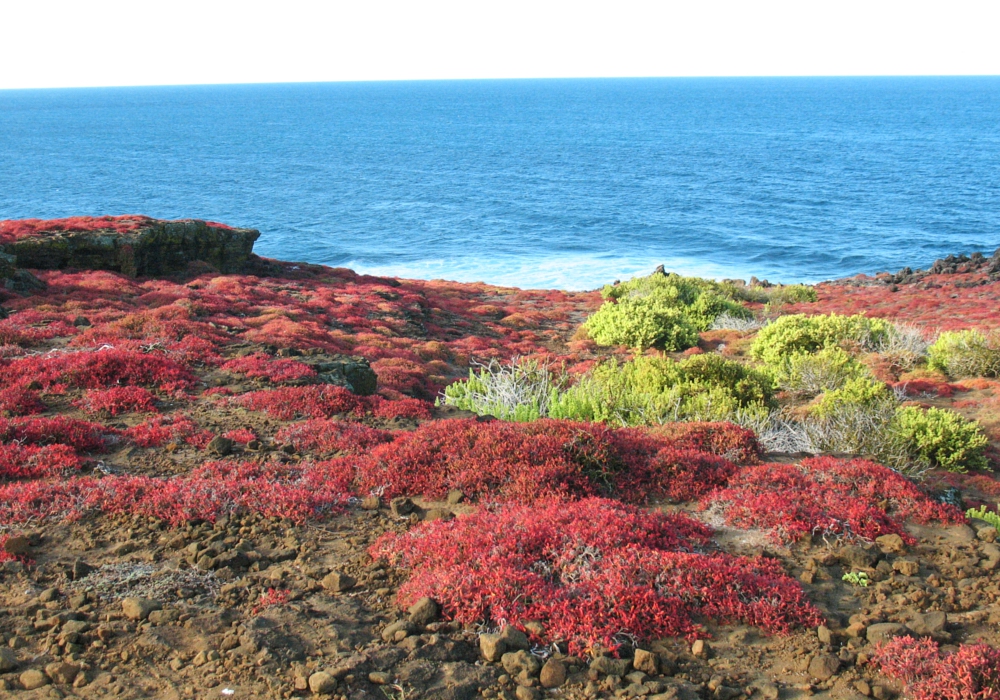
x: 652, y: 390
x: 858, y: 391
x: 809, y: 374
x: 942, y: 438
x: 662, y: 311
x: 775, y: 295
x: 987, y: 516
x: 966, y: 354
x: 799, y: 333
x: 642, y: 324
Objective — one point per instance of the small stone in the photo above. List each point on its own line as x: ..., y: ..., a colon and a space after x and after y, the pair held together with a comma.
x: 891, y: 544
x: 438, y: 514
x: 397, y: 631
x: 929, y: 624
x: 80, y: 569
x: 553, y: 674
x: 523, y: 692
x: 8, y: 660
x: 401, y: 507
x: 322, y: 683
x: 33, y: 678
x: 220, y: 445
x: 610, y: 667
x: 380, y: 678
x: 455, y: 497
x: 338, y: 582
x: 907, y: 567
x: 176, y: 664
x: 492, y: 647
x: 885, y: 631
x: 856, y: 629
x: 823, y: 633
x: 62, y: 673
x: 48, y: 595
x: 862, y: 687
x: 18, y: 545
x: 646, y: 661
x: 514, y: 638
x: 766, y: 689
x: 371, y: 503
x: 700, y: 648
x: 139, y: 608
x: 514, y: 662
x: 824, y: 666
x: 987, y: 534
x: 81, y: 322
x: 423, y: 612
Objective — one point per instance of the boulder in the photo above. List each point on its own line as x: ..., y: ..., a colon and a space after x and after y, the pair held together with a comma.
x: 138, y: 246
x: 349, y: 371
x: 423, y: 612
x: 139, y: 608
x: 553, y: 674
x: 885, y: 631
x: 322, y: 683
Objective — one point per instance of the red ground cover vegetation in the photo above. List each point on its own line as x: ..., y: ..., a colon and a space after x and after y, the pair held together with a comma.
x: 262, y: 366
x: 727, y: 440
x: 116, y: 400
x: 973, y: 671
x: 594, y: 572
x: 161, y: 430
x: 326, y: 401
x: 325, y: 437
x: 937, y: 302
x: 205, y: 494
x: 82, y: 436
x: 29, y: 462
x: 826, y: 496
x: 15, y: 229
x: 524, y: 462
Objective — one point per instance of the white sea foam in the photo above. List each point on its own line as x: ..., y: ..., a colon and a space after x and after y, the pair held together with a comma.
x: 569, y: 272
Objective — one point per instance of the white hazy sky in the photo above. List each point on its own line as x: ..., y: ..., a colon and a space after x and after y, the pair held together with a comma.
x: 58, y: 43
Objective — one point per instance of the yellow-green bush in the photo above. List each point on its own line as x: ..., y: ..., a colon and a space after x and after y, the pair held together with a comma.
x: 799, y: 333
x: 942, y: 438
x: 809, y: 374
x: 662, y: 311
x: 966, y: 354
x: 859, y: 391
x: 650, y: 390
x: 642, y: 324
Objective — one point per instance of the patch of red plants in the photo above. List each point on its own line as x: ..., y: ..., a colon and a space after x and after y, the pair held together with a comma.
x: 19, y: 461
x: 326, y: 401
x: 116, y: 400
x: 45, y: 430
x: 524, y: 462
x: 262, y: 366
x: 939, y: 302
x: 928, y: 387
x: 594, y: 572
x: 970, y: 672
x: 14, y: 229
x: 322, y: 436
x: 161, y: 430
x: 98, y: 369
x: 823, y: 495
x: 207, y: 493
x: 728, y: 440
x: 19, y: 401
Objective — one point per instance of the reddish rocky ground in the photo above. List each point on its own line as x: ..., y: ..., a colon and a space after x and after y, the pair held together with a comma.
x: 194, y: 504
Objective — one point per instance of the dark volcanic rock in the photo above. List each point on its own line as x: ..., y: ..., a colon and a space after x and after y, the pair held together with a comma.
x: 155, y: 248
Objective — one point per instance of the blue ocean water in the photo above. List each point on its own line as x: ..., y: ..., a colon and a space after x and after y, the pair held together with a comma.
x: 548, y: 183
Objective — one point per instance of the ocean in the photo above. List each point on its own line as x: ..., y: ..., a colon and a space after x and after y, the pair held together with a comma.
x: 535, y: 183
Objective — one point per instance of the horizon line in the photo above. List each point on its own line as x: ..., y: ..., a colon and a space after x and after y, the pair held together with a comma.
x: 511, y: 79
